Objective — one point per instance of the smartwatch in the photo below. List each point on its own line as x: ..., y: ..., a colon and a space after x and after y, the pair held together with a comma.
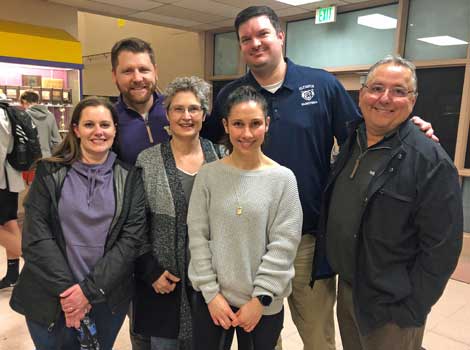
x: 265, y: 300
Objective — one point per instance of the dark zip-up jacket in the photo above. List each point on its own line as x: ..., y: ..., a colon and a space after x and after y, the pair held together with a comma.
x: 46, y: 272
x: 410, y: 234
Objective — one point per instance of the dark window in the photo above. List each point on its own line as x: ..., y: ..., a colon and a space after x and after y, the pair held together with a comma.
x: 217, y: 85
x: 354, y: 95
x: 440, y: 94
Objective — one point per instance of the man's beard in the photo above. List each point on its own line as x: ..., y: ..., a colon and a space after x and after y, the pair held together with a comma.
x: 133, y: 100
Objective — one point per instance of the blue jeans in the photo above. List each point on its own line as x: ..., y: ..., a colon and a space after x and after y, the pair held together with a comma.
x: 158, y: 343
x: 62, y: 338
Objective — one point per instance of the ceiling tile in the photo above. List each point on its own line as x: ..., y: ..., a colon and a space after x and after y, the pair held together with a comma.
x: 167, y: 1
x: 275, y: 5
x: 210, y: 6
x: 291, y: 11
x: 204, y: 27
x: 92, y: 6
x: 325, y: 3
x: 136, y: 5
x: 186, y: 14
x: 225, y: 23
x: 162, y: 20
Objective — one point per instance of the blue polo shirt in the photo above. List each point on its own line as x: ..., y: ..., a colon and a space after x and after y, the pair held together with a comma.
x: 306, y: 112
x: 133, y: 135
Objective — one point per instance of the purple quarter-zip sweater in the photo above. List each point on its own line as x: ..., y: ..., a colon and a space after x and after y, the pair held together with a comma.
x: 86, y: 210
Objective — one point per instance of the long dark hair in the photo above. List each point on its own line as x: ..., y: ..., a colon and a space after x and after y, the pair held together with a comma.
x: 68, y: 151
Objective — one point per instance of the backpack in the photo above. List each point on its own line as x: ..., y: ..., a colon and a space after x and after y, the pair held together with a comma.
x: 26, y: 147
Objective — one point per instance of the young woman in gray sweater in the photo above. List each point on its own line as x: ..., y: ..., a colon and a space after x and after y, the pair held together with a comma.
x: 244, y: 223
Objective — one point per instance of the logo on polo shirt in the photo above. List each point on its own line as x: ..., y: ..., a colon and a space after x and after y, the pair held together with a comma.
x: 307, y: 92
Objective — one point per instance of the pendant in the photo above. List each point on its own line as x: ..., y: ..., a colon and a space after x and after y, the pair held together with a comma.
x: 239, y: 211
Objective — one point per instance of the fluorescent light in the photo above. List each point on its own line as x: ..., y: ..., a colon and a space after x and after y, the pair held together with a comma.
x: 377, y: 21
x: 297, y: 2
x: 443, y: 40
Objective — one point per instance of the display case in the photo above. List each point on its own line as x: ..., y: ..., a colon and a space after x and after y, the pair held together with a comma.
x: 12, y: 93
x: 46, y: 96
x: 58, y: 87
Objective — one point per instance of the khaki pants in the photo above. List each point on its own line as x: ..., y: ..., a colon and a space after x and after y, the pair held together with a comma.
x: 388, y: 337
x: 312, y: 308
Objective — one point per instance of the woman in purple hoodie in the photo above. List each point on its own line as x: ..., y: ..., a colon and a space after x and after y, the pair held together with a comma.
x: 84, y: 226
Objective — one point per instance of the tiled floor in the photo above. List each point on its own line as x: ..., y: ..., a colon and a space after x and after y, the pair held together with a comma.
x: 448, y: 326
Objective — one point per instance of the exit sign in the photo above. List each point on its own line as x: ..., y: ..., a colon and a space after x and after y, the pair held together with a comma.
x: 325, y: 15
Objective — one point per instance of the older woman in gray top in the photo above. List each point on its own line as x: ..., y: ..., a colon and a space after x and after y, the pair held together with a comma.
x: 161, y: 306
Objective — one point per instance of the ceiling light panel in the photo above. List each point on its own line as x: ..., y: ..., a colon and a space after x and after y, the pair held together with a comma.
x: 443, y: 40
x: 377, y: 21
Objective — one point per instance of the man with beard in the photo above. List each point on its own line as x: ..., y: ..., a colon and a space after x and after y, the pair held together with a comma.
x: 141, y: 113
x: 142, y: 117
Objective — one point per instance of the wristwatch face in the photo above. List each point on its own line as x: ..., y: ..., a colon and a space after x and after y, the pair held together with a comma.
x: 265, y: 300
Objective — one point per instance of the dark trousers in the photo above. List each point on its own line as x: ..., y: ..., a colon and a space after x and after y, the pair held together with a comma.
x: 62, y: 338
x: 138, y: 341
x: 208, y: 336
x: 388, y: 337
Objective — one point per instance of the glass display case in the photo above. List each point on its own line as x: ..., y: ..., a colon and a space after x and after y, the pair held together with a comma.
x: 58, y: 87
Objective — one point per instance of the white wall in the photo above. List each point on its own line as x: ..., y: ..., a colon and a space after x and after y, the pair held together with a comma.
x: 177, y: 52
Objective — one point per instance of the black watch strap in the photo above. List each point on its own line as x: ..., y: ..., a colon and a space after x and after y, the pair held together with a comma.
x: 265, y: 300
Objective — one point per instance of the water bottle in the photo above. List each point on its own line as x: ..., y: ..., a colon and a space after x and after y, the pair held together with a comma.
x: 88, y: 335
x: 22, y: 154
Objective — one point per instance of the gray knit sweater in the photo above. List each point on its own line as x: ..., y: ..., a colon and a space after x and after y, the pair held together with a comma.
x: 248, y: 251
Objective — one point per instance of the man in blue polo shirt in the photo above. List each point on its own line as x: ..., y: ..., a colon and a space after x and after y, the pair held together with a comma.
x: 308, y: 107
x: 141, y: 113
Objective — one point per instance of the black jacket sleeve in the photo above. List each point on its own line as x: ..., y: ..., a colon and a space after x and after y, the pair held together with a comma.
x: 439, y: 219
x: 40, y: 249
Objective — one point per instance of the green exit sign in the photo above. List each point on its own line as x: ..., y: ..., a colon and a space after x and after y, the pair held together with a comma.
x: 325, y: 15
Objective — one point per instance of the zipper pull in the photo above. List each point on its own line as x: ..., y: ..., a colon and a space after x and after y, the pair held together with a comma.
x: 149, y: 132
x: 356, y: 166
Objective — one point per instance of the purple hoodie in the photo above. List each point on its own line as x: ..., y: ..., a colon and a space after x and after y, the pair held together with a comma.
x: 86, y: 210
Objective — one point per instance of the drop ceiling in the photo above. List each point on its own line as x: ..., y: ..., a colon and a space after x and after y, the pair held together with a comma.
x: 192, y: 15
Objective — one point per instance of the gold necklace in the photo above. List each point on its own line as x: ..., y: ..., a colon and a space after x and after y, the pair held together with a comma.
x: 239, y: 208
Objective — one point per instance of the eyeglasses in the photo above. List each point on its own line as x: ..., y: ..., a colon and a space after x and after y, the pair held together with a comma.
x: 396, y: 91
x: 193, y: 110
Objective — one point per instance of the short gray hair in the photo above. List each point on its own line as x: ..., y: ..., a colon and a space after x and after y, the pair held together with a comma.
x: 396, y: 60
x: 200, y: 88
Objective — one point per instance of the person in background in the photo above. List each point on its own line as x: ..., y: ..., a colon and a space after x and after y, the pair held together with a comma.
x: 84, y: 226
x: 392, y: 219
x: 11, y: 183
x: 161, y: 304
x: 308, y: 109
x: 44, y: 120
x: 142, y: 119
x: 244, y: 223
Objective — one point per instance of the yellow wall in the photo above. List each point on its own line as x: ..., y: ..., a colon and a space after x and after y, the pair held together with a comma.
x: 177, y: 52
x: 38, y: 43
